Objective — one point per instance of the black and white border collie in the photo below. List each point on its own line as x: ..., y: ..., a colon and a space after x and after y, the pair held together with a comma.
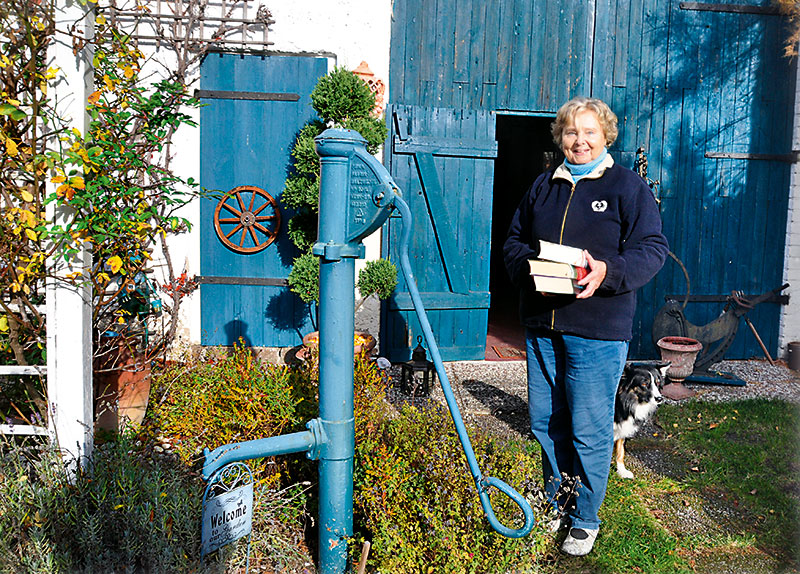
x: 638, y: 396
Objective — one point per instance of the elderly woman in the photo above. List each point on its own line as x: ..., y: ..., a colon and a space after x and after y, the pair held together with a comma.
x: 577, y: 345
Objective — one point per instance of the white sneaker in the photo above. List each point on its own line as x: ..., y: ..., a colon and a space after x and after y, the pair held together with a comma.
x: 579, y: 541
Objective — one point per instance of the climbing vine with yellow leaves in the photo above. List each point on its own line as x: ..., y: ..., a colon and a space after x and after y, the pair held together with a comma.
x: 25, y: 111
x: 115, y: 180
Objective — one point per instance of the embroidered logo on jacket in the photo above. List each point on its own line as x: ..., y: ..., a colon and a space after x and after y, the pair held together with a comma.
x: 599, y: 206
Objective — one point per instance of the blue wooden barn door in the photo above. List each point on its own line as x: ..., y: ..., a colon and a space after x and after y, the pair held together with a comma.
x: 727, y: 119
x: 254, y: 108
x: 443, y: 161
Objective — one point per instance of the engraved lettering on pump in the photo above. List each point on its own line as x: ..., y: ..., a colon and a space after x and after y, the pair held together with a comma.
x: 362, y: 181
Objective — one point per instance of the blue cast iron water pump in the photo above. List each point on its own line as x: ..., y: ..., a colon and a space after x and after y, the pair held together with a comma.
x: 357, y: 195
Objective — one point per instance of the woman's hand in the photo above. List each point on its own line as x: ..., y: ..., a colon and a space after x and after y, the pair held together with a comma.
x: 597, y: 272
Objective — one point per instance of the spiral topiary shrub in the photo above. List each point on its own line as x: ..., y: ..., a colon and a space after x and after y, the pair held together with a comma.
x: 343, y: 100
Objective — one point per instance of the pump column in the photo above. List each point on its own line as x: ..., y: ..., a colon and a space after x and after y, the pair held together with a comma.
x: 336, y: 307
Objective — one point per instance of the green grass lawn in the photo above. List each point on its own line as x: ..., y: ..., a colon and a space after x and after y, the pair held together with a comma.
x: 724, y: 494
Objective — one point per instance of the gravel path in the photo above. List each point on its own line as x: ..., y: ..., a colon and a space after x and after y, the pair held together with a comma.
x: 493, y: 394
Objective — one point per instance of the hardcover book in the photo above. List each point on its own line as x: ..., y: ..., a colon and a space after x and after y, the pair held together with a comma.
x: 556, y: 285
x: 556, y: 269
x: 562, y: 254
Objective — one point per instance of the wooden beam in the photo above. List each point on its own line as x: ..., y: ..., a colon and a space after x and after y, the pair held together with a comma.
x: 785, y: 157
x: 442, y: 300
x: 453, y: 147
x: 731, y: 8
x: 257, y: 96
x: 69, y: 311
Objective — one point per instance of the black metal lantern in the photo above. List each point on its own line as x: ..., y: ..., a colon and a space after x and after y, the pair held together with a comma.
x: 418, y: 373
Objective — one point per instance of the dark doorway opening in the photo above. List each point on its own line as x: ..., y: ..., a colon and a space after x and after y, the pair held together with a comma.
x: 525, y: 150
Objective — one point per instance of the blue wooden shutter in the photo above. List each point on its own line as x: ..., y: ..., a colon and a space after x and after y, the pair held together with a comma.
x: 254, y: 108
x: 443, y: 160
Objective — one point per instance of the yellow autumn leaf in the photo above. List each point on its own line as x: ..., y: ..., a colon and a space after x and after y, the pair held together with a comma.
x: 128, y: 72
x: 77, y: 182
x: 51, y: 73
x: 27, y: 195
x: 76, y: 132
x: 65, y: 190
x: 58, y: 179
x: 27, y: 218
x: 11, y: 147
x: 13, y: 102
x: 31, y: 234
x: 115, y: 263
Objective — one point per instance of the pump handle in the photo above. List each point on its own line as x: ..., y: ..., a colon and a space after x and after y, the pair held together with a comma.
x: 518, y: 499
x: 483, y: 483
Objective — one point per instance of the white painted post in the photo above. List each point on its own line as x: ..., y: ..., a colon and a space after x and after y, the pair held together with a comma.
x: 790, y: 314
x: 69, y: 310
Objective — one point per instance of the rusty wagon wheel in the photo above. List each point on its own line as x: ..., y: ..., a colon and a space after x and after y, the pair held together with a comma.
x: 247, y: 219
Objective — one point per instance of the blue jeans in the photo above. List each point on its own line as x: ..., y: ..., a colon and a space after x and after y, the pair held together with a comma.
x: 572, y: 382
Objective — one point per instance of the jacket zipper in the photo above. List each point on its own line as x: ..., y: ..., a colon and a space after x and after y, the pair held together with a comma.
x: 561, y: 242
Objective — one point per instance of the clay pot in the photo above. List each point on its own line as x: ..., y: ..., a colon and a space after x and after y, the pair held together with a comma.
x: 311, y: 341
x: 122, y: 386
x: 681, y: 352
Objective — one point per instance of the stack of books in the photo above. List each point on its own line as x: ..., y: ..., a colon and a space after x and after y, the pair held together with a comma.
x: 558, y: 269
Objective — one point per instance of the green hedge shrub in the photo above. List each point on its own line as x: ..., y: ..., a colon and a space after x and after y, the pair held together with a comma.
x: 232, y: 399
x: 416, y: 501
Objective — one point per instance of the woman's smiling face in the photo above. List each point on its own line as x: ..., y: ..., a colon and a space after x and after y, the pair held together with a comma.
x: 583, y: 139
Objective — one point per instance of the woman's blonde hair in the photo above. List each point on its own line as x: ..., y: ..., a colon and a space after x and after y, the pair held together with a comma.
x: 566, y: 115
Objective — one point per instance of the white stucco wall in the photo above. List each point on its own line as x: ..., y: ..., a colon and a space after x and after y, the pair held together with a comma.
x: 350, y: 31
x: 790, y: 318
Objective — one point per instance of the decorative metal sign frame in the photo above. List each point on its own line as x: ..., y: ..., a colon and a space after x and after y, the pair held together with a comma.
x: 227, y: 508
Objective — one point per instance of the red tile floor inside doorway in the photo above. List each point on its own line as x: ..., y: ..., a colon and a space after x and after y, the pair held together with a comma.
x: 505, y: 340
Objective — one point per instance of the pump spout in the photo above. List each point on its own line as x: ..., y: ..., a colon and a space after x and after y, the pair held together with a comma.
x: 305, y: 441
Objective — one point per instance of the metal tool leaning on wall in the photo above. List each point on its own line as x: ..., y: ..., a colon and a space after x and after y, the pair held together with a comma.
x: 353, y: 178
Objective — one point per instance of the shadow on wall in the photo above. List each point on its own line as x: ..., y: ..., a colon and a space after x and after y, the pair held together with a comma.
x: 287, y: 312
x: 236, y: 332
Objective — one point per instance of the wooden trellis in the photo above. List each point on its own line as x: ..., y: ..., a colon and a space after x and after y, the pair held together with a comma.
x: 200, y: 24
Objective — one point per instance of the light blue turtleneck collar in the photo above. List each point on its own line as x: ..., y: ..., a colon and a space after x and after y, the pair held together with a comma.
x: 581, y: 170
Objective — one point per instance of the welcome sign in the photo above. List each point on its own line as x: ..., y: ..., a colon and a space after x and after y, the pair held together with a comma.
x: 227, y: 517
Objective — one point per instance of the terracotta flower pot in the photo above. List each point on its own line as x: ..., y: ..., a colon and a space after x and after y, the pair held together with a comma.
x: 681, y: 352
x: 362, y: 342
x: 122, y: 387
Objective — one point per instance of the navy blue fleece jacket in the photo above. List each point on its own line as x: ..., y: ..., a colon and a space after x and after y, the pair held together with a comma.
x: 613, y: 215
